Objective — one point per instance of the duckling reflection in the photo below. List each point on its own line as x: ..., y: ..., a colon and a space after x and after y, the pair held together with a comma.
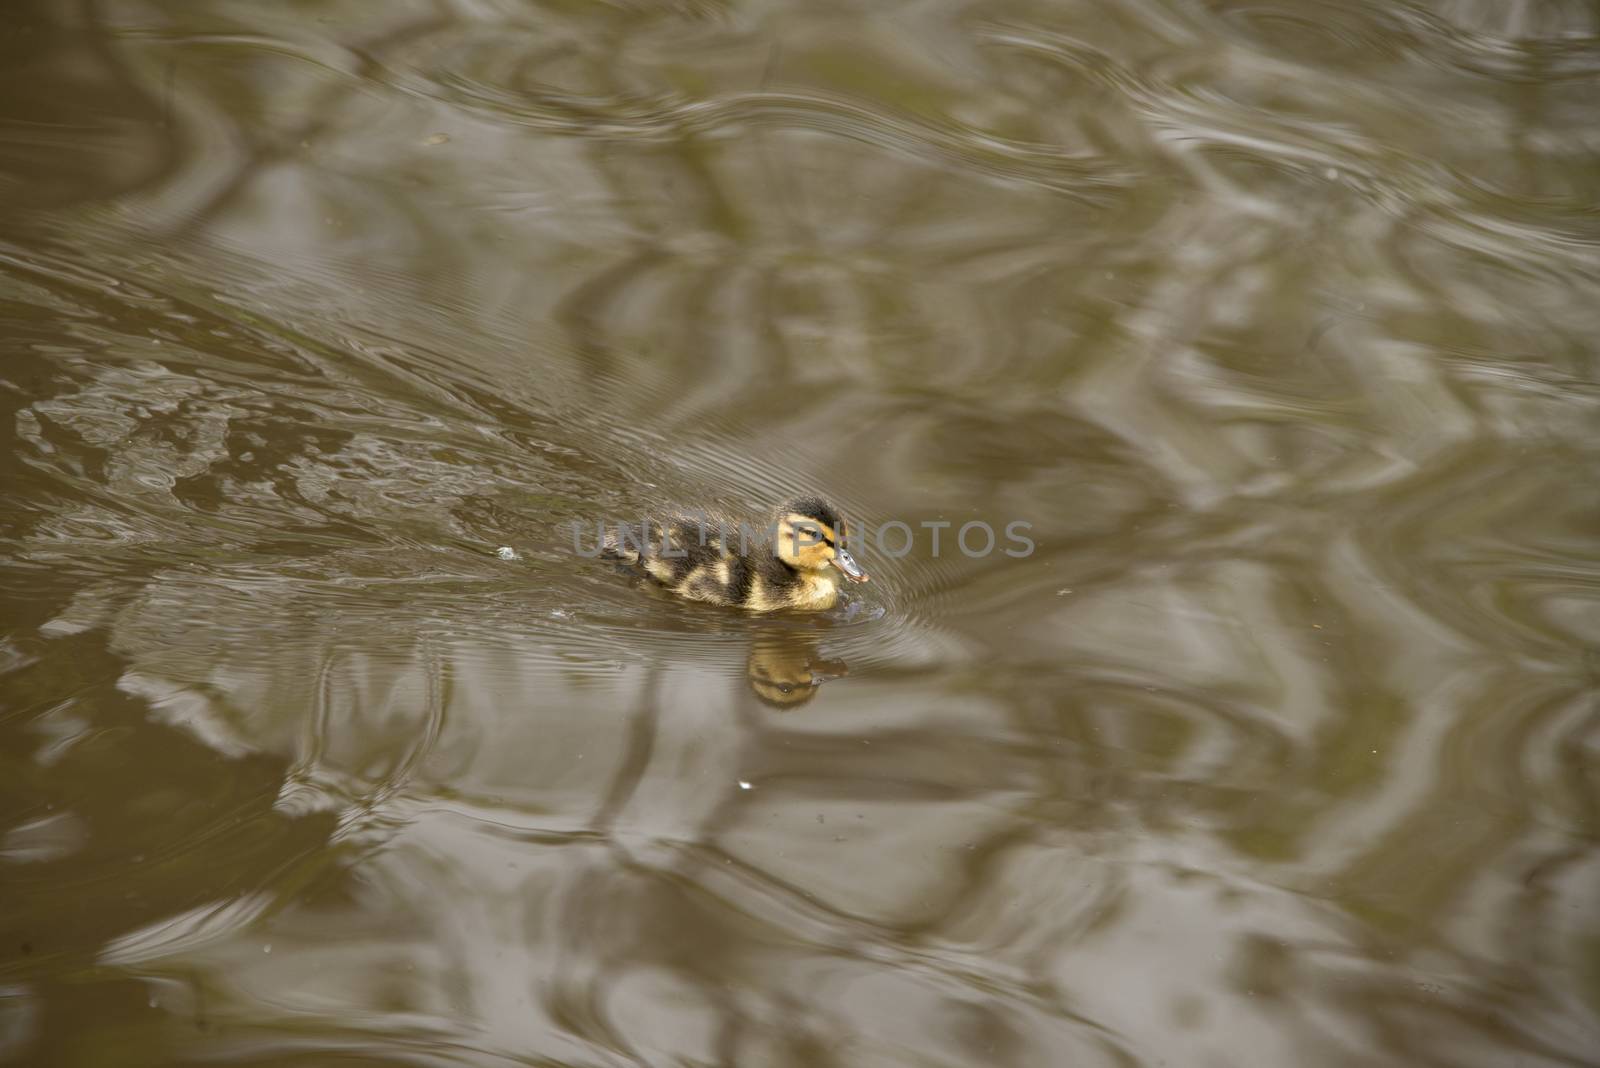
x: 786, y: 669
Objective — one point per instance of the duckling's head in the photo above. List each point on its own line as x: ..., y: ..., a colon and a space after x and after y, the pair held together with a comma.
x: 811, y: 537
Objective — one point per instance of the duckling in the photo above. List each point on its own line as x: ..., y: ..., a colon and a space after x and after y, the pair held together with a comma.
x: 790, y: 565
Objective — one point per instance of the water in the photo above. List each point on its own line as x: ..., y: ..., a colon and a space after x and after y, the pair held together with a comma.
x: 1277, y: 325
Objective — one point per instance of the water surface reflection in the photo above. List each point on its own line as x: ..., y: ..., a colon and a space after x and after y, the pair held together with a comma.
x: 1278, y: 329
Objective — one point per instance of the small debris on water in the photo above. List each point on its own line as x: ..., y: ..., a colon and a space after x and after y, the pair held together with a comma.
x: 506, y: 552
x: 743, y: 785
x: 437, y: 139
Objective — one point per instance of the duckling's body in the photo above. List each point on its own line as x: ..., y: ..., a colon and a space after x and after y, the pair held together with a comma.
x: 788, y: 564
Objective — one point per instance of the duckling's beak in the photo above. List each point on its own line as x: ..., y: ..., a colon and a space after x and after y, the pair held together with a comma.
x: 847, y: 563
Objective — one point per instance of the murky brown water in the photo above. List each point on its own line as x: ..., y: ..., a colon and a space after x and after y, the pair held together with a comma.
x: 1277, y: 322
